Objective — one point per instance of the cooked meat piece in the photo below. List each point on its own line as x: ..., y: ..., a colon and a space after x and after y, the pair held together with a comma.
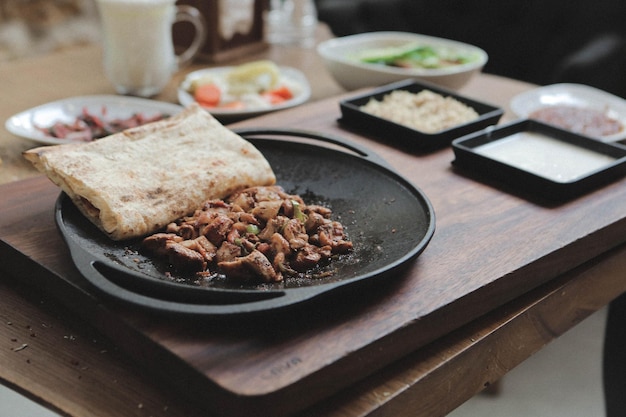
x: 281, y: 265
x: 217, y: 230
x: 306, y: 258
x: 233, y: 235
x: 259, y: 232
x: 294, y: 229
x: 267, y: 210
x: 202, y: 245
x: 321, y: 210
x: 242, y: 200
x: 227, y: 252
x: 243, y: 217
x: 216, y: 206
x: 279, y: 244
x: 287, y: 208
x: 157, y: 242
x: 247, y: 245
x: 187, y: 231
x: 298, y: 243
x: 183, y: 254
x: 332, y: 234
x: 314, y: 221
x: 249, y: 267
x: 207, y: 214
x: 273, y: 226
x: 247, y: 199
x: 184, y: 258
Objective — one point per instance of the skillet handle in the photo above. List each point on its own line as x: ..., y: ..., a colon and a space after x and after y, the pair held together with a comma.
x: 98, y: 278
x: 357, y: 149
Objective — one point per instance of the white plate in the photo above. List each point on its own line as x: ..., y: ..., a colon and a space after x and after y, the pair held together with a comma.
x: 577, y: 95
x: 25, y: 124
x: 295, y: 79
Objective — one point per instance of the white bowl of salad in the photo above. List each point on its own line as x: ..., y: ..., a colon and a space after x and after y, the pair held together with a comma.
x: 378, y: 58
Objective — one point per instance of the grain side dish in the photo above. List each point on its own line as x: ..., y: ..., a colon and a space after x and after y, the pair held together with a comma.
x: 425, y: 111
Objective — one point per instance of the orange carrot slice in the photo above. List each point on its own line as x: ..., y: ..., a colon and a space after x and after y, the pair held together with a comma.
x: 272, y: 98
x: 208, y: 95
x: 283, y: 92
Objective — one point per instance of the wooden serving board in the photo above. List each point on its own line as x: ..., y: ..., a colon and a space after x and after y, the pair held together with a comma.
x: 490, y: 246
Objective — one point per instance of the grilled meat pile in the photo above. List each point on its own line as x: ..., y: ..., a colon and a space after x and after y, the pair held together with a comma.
x: 260, y: 234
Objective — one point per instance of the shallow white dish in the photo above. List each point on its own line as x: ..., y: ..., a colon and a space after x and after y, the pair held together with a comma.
x: 577, y: 95
x: 338, y: 55
x: 25, y: 124
x: 300, y: 88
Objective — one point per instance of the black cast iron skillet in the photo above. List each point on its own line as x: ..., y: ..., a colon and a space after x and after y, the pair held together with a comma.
x: 389, y: 221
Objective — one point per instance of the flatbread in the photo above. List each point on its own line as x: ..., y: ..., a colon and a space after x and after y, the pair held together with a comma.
x: 137, y: 181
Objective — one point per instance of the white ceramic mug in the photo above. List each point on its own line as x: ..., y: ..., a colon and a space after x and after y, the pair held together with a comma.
x: 139, y: 57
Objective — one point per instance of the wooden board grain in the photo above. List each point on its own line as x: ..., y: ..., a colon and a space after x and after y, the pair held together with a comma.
x: 490, y: 247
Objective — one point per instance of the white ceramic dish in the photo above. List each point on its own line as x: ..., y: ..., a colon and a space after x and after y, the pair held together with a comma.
x: 25, y: 124
x: 295, y: 79
x: 577, y: 95
x: 338, y: 54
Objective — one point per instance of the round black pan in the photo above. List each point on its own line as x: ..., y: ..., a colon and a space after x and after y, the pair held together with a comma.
x: 388, y: 219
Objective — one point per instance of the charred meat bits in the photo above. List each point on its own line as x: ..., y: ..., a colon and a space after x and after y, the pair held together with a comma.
x: 258, y: 234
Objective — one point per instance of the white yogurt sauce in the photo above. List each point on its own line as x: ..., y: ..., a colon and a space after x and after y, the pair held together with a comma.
x: 545, y: 156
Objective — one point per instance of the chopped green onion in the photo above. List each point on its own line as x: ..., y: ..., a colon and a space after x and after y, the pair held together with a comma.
x: 297, y: 212
x: 253, y: 229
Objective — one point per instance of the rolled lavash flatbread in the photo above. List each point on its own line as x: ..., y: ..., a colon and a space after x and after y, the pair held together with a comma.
x: 137, y: 181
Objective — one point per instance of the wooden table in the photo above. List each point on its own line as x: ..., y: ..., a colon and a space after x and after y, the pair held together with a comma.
x: 502, y: 277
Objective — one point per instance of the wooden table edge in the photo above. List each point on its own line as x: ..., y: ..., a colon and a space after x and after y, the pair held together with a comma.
x: 425, y: 383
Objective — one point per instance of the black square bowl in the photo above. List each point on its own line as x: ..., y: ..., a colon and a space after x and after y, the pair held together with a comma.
x: 539, y: 159
x: 379, y: 128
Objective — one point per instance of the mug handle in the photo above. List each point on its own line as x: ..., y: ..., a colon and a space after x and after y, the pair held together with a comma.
x: 192, y: 15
